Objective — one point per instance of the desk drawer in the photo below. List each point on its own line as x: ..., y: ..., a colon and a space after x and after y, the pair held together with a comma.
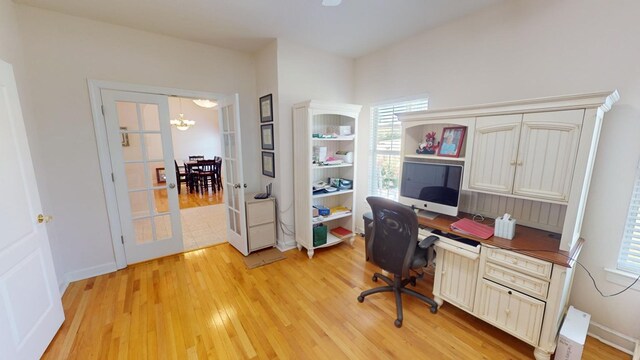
x: 516, y: 280
x: 523, y: 263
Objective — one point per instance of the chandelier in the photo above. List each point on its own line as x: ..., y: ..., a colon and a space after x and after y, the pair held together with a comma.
x: 181, y: 123
x: 205, y: 103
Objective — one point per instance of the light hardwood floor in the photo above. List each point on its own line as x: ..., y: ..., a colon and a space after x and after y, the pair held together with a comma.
x: 206, y: 305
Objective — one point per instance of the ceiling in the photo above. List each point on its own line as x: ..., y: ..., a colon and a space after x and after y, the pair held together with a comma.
x: 352, y: 29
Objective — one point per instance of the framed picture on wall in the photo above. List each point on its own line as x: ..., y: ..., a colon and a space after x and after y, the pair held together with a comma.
x: 266, y: 136
x: 266, y: 108
x: 125, y: 136
x: 268, y: 164
x: 161, y: 176
x: 451, y: 142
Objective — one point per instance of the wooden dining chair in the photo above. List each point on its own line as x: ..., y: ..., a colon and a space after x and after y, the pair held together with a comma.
x: 181, y: 177
x: 196, y: 157
x: 218, y: 172
x: 205, y: 175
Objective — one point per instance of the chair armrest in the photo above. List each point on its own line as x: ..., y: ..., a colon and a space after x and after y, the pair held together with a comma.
x: 427, y: 242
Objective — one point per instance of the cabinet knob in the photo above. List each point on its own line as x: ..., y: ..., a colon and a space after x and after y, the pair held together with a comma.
x: 513, y: 279
x: 507, y: 311
x: 513, y: 162
x: 520, y: 163
x: 514, y: 261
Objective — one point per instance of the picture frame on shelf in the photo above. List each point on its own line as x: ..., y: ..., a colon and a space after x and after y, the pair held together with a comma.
x: 451, y: 141
x: 266, y: 108
x: 161, y: 176
x: 266, y: 136
x: 268, y: 164
x: 125, y: 136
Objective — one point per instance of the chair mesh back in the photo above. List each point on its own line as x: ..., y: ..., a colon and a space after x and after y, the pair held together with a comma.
x: 395, y: 235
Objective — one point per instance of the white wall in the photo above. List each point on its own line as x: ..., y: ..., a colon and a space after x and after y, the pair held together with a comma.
x: 11, y: 51
x: 520, y: 50
x: 61, y: 52
x: 201, y: 139
x: 303, y: 74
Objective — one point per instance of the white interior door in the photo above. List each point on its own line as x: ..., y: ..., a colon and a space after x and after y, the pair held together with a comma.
x: 30, y: 306
x: 232, y: 173
x: 139, y: 136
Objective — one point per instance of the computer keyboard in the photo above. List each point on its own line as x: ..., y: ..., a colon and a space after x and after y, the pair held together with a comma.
x: 423, y: 232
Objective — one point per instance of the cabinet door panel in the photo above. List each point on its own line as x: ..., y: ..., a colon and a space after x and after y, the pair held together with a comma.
x: 511, y: 311
x: 495, y: 149
x: 459, y: 276
x: 547, y: 154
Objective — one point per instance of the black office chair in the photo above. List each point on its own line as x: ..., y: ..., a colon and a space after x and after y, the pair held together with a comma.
x: 394, y: 247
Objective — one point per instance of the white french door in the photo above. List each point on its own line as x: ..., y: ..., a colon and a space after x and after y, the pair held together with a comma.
x: 139, y: 137
x: 229, y: 115
x: 30, y: 306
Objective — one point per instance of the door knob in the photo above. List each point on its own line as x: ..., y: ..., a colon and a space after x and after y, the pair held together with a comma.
x: 44, y: 218
x: 172, y: 185
x: 245, y: 186
x: 236, y: 186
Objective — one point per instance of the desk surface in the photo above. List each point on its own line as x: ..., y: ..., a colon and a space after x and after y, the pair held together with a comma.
x: 536, y: 243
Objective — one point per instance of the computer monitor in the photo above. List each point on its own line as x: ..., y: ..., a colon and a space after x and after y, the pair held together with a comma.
x: 433, y: 188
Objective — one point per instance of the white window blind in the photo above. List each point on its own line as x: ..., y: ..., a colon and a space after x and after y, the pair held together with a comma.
x: 629, y: 259
x: 384, y: 161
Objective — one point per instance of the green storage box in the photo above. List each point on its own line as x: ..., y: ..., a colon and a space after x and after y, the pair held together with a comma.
x: 319, y: 235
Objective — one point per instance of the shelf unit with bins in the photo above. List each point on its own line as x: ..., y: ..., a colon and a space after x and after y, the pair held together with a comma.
x: 316, y: 117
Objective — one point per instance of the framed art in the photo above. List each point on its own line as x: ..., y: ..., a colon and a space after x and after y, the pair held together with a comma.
x: 268, y: 164
x: 451, y: 142
x: 161, y: 176
x: 266, y: 136
x: 266, y: 108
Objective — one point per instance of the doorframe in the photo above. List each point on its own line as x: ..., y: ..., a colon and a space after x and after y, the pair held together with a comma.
x: 104, y: 156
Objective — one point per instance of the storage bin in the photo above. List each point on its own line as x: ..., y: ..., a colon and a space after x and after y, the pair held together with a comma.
x: 319, y: 235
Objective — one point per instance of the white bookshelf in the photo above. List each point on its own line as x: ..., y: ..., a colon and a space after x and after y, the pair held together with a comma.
x: 315, y: 117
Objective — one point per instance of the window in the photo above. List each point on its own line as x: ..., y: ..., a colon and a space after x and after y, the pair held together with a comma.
x: 629, y: 259
x: 385, y: 146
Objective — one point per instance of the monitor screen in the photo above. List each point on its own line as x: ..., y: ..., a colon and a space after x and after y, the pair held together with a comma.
x: 431, y: 186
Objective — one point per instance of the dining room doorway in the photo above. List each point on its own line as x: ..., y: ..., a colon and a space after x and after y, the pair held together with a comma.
x: 197, y: 142
x: 229, y: 218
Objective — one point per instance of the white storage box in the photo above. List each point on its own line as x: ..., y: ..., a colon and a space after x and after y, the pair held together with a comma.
x: 572, y: 335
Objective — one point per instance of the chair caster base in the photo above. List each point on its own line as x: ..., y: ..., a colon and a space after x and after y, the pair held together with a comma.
x: 434, y: 309
x: 398, y: 323
x: 360, y: 298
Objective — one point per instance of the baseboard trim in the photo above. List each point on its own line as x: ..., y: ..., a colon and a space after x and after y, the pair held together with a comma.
x: 63, y: 287
x: 90, y: 272
x: 285, y: 247
x: 614, y: 339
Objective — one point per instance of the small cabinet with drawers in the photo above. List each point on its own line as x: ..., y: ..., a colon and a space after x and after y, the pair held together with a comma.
x: 261, y: 223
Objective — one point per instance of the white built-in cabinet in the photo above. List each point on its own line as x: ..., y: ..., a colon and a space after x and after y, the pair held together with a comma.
x: 539, y: 153
x: 527, y: 155
x: 311, y: 120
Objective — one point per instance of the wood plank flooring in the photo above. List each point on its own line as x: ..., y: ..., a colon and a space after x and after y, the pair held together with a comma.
x: 205, y: 304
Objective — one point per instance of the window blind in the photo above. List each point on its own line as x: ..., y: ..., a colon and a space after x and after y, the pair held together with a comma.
x: 629, y: 259
x: 384, y: 161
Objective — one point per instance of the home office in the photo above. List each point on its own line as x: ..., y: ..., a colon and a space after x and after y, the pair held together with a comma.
x: 505, y: 51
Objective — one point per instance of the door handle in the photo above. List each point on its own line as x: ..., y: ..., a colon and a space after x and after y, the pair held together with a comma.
x: 172, y: 186
x: 236, y: 186
x: 44, y: 218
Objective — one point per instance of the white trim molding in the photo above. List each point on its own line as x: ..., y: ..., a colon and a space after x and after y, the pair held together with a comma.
x: 614, y: 339
x: 85, y: 274
x: 622, y: 278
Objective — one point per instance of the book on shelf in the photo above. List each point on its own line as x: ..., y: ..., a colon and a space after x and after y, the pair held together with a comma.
x: 341, y: 233
x: 470, y: 227
x: 337, y: 210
